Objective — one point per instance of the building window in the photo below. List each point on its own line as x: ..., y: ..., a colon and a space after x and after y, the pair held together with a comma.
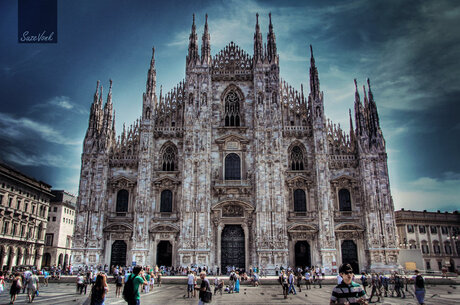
x: 440, y: 265
x: 54, y: 218
x: 232, y: 167
x: 5, y: 228
x: 447, y: 247
x: 297, y: 159
x: 10, y: 202
x: 300, y: 201
x: 433, y: 230
x: 169, y: 159
x: 344, y: 200
x: 422, y: 229
x: 49, y: 239
x: 428, y: 265
x: 425, y: 249
x: 444, y: 230
x: 412, y: 244
x: 436, y: 247
x: 122, y: 201
x: 410, y: 228
x: 13, y: 232
x: 55, y: 209
x: 232, y: 109
x: 166, y: 201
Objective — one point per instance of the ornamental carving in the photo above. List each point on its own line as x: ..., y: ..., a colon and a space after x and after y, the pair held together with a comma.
x: 232, y: 63
x: 232, y: 211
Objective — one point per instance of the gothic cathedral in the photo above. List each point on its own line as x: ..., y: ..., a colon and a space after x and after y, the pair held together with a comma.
x: 234, y: 167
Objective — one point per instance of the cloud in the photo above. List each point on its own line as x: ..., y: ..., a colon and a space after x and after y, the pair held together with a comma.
x: 427, y: 193
x: 23, y: 128
x: 53, y: 160
x: 62, y: 102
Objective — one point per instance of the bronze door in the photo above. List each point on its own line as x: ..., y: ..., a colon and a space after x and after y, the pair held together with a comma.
x: 164, y: 254
x: 118, y: 257
x: 232, y: 247
x: 350, y: 255
x: 302, y: 254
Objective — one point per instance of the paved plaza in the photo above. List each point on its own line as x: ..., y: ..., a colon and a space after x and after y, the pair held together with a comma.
x: 64, y: 293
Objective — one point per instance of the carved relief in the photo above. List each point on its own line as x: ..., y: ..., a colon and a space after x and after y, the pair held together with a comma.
x: 232, y: 211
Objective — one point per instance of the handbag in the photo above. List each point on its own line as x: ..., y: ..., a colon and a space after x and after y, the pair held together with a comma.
x: 207, y: 297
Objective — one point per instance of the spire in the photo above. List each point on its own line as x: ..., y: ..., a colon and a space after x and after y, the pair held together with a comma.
x: 352, y: 132
x: 258, y: 52
x: 206, y: 45
x: 314, y: 79
x: 109, y: 96
x: 374, y: 123
x: 151, y: 77
x: 193, y: 45
x: 271, y: 41
x: 96, y: 94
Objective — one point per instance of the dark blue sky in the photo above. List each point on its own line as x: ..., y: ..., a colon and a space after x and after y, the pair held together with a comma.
x: 409, y: 49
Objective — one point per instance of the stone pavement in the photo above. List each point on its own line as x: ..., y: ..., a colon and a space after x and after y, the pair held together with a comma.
x: 269, y: 294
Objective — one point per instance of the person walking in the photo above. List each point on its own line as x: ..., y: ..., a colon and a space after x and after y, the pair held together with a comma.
x: 32, y: 287
x: 15, y: 288
x: 205, y: 294
x: 348, y: 292
x: 307, y: 280
x: 2, y: 282
x: 419, y: 285
x: 99, y: 290
x: 291, y: 280
x: 237, y: 282
x: 375, y: 288
x: 299, y: 280
x: 284, y: 283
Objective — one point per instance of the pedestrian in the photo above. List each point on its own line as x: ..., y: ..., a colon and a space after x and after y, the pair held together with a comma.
x: 205, y: 294
x: 237, y: 282
x: 348, y: 292
x: 375, y: 288
x: 2, y: 282
x: 284, y: 283
x: 190, y: 283
x: 364, y: 281
x: 15, y: 288
x: 419, y: 285
x: 131, y: 290
x: 307, y: 280
x: 291, y: 280
x: 99, y: 290
x: 118, y: 284
x: 218, y: 285
x: 80, y: 283
x: 32, y: 287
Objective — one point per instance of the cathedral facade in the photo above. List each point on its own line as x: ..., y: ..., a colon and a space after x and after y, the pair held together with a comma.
x: 234, y: 167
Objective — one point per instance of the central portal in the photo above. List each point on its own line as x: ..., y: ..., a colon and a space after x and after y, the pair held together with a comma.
x: 118, y: 256
x: 232, y: 248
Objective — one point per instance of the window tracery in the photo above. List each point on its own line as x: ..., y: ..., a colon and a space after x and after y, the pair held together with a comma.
x: 297, y: 159
x: 232, y: 109
x: 169, y: 159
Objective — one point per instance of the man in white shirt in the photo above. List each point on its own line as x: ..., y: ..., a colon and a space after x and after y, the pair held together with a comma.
x: 32, y: 287
x: 190, y: 283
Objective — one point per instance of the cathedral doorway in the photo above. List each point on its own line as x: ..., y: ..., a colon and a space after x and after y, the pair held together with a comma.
x: 232, y: 247
x: 118, y: 255
x: 164, y: 253
x: 46, y: 260
x: 350, y: 255
x: 302, y: 254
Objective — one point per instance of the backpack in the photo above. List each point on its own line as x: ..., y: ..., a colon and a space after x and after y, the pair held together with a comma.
x: 128, y: 290
x: 419, y: 282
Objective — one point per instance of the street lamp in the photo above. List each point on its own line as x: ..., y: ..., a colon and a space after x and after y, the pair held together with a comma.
x: 404, y: 243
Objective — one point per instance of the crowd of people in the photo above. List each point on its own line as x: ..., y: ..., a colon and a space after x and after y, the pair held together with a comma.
x: 132, y: 281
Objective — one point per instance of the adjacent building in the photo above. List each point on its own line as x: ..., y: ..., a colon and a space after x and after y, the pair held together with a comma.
x: 24, y: 204
x: 435, y: 234
x: 61, y: 222
x: 235, y: 167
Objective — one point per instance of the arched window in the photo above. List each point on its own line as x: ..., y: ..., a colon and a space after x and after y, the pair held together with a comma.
x: 300, y: 201
x: 169, y: 158
x: 296, y: 159
x: 232, y: 167
x: 122, y: 201
x: 232, y: 109
x: 344, y: 200
x: 166, y: 201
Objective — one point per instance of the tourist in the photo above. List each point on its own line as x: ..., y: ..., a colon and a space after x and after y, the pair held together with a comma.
x: 32, y: 287
x: 348, y: 292
x: 99, y: 290
x: 375, y: 288
x: 364, y: 281
x: 237, y: 282
x: 80, y: 283
x: 118, y: 284
x: 135, y: 279
x: 147, y: 278
x: 218, y: 285
x: 15, y: 288
x: 2, y: 282
x: 307, y: 279
x: 299, y: 279
x: 255, y: 279
x: 190, y: 283
x: 419, y: 285
x: 45, y: 277
x: 205, y: 294
x: 283, y: 279
x: 399, y: 286
x: 291, y: 280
